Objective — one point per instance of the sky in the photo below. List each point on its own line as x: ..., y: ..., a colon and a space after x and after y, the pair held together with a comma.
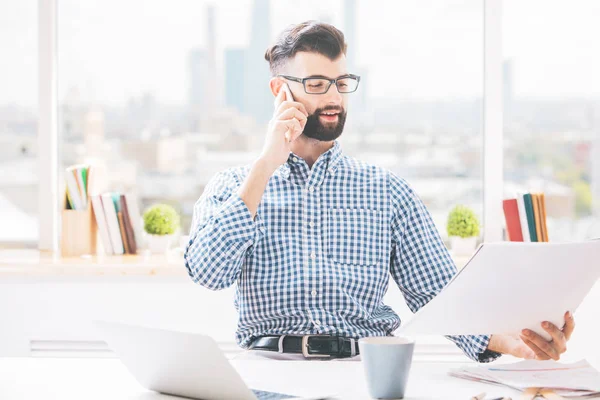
x: 113, y: 50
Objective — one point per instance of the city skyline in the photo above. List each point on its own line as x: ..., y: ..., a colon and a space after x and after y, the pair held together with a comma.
x: 156, y: 51
x: 432, y: 138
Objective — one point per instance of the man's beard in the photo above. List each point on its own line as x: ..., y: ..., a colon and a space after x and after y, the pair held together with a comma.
x: 315, y: 129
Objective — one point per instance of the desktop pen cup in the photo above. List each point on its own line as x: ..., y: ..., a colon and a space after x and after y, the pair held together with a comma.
x: 78, y: 232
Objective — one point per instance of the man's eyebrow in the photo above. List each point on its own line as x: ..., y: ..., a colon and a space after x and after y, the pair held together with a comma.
x: 324, y: 77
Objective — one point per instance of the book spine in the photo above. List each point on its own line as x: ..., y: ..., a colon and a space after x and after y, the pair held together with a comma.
x: 530, y: 217
x: 96, y: 203
x: 128, y: 227
x: 112, y: 222
x: 536, y: 213
x: 523, y: 218
x: 513, y: 224
x: 123, y: 234
x: 544, y: 218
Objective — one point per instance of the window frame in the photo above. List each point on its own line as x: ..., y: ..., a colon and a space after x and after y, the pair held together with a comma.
x: 492, y: 129
x: 48, y: 194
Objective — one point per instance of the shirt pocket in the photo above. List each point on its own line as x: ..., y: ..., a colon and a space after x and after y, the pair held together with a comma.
x: 354, y: 236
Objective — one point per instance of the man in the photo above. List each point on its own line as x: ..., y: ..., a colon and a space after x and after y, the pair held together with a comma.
x: 311, y: 236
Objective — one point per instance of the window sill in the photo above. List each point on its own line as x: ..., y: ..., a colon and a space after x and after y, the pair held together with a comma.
x: 28, y: 263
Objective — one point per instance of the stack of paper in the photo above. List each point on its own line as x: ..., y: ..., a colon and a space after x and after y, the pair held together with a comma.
x: 576, y: 380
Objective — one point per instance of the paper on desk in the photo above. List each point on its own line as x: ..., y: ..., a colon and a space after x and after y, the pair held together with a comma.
x: 573, y: 380
x: 510, y: 286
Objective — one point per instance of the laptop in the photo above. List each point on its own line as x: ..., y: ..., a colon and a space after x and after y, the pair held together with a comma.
x: 179, y: 363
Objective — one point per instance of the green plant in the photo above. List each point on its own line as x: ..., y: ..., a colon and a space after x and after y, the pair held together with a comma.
x: 462, y: 222
x: 161, y: 219
x: 583, y: 198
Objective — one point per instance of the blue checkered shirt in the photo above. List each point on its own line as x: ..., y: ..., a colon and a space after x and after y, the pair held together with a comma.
x: 318, y: 255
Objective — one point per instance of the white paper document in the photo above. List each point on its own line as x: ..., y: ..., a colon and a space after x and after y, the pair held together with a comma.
x: 574, y: 380
x: 509, y: 286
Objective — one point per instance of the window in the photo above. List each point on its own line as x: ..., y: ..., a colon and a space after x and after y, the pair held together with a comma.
x: 552, y: 111
x: 167, y: 94
x: 420, y: 110
x: 18, y: 123
x: 146, y: 98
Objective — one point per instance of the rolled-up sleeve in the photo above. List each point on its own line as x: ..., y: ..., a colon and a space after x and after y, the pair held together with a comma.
x: 223, y: 232
x: 421, y: 264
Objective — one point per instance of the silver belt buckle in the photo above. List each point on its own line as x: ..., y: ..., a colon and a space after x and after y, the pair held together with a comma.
x: 305, y: 349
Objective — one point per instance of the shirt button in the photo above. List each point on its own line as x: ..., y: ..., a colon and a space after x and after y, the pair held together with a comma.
x: 311, y: 189
x: 314, y: 292
x: 317, y: 322
x: 313, y: 256
x: 295, y: 159
x: 311, y: 224
x: 331, y: 171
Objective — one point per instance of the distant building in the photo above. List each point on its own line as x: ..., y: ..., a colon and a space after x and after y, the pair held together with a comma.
x: 508, y: 86
x: 198, y: 75
x: 93, y: 133
x: 72, y: 115
x: 350, y: 33
x: 203, y: 96
x: 258, y: 100
x: 234, y: 79
x: 212, y: 94
x: 160, y: 155
x: 358, y: 115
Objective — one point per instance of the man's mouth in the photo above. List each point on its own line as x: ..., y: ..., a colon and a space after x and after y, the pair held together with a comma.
x: 329, y: 116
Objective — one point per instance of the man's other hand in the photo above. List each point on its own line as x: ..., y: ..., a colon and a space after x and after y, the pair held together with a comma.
x: 530, y: 345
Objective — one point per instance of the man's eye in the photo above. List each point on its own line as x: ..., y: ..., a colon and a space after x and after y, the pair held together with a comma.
x: 315, y: 85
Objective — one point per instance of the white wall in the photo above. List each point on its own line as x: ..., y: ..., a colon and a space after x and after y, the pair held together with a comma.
x: 62, y: 310
x: 57, y: 315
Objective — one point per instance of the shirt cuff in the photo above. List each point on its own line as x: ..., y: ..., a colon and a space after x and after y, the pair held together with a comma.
x: 475, y: 347
x: 487, y: 356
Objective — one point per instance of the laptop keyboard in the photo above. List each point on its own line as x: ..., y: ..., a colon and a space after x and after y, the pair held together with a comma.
x: 262, y: 395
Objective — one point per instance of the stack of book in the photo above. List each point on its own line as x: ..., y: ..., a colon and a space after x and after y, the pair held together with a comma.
x: 119, y: 222
x: 526, y: 218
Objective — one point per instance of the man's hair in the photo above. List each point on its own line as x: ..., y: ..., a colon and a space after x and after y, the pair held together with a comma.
x: 309, y: 36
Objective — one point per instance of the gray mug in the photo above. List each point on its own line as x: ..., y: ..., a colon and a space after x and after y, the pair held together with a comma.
x: 387, y: 361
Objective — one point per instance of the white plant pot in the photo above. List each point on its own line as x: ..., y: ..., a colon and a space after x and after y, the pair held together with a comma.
x: 463, y: 246
x: 159, y: 243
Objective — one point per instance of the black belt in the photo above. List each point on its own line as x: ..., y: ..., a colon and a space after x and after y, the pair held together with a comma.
x: 311, y: 346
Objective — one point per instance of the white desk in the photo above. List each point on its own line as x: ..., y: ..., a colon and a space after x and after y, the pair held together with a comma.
x: 76, y: 379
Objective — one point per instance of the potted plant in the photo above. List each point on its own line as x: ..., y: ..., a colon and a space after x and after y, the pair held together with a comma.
x: 161, y: 221
x: 463, y: 230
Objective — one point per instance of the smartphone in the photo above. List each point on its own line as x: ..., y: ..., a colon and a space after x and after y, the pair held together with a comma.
x: 288, y: 92
x: 289, y: 97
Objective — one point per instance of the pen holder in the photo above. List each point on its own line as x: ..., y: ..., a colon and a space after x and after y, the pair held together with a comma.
x: 79, y: 233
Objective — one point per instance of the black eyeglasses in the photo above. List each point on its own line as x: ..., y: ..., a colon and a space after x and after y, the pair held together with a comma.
x: 320, y: 84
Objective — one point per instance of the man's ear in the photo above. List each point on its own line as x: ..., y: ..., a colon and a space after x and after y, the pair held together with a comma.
x: 276, y: 84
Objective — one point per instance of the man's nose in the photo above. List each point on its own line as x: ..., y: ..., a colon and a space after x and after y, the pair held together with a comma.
x: 332, y: 96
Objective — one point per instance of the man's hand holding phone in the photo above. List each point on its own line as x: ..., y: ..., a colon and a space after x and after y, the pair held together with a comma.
x: 286, y: 126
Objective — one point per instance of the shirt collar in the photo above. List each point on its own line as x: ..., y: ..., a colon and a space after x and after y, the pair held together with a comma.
x: 328, y: 160
x: 335, y: 155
